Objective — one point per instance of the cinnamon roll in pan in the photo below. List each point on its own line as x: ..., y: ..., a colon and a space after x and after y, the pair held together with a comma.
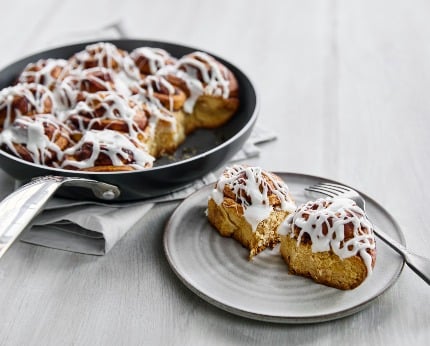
x: 202, y: 151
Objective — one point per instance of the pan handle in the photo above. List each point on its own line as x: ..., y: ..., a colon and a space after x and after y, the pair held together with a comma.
x: 19, y: 208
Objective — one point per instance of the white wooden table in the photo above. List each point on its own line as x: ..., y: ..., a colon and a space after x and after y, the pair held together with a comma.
x: 346, y: 86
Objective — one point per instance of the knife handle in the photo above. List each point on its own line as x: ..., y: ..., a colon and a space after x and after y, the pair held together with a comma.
x: 19, y: 208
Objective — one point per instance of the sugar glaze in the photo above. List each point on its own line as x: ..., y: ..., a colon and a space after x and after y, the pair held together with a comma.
x: 251, y: 187
x: 324, y: 221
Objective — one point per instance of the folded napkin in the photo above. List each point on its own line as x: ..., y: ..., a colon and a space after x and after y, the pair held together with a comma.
x: 94, y: 227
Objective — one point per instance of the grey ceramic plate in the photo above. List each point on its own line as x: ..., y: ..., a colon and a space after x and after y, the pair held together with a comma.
x: 217, y: 269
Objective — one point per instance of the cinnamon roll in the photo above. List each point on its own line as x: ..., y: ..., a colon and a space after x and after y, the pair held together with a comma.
x: 331, y: 241
x: 165, y: 131
x: 77, y: 83
x: 24, y: 99
x: 91, y: 80
x: 211, y: 89
x: 249, y: 204
x: 39, y: 138
x: 106, y: 151
x: 48, y: 72
x: 160, y: 91
x: 104, y: 54
x: 150, y: 60
x: 107, y: 110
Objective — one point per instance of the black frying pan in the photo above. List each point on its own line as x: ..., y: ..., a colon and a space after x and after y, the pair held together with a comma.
x: 209, y: 149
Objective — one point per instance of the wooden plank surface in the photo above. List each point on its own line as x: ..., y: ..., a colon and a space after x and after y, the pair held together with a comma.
x: 343, y: 83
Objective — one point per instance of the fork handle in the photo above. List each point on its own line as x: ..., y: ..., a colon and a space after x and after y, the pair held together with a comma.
x: 420, y: 265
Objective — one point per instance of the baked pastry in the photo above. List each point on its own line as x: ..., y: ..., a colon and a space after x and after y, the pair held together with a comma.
x: 158, y: 90
x: 211, y: 89
x: 48, y: 72
x: 90, y: 80
x: 331, y: 241
x: 150, y: 60
x: 248, y: 204
x: 107, y: 110
x: 165, y: 131
x: 24, y: 99
x: 148, y: 96
x: 74, y: 87
x: 106, y: 151
x: 39, y: 138
x: 105, y: 54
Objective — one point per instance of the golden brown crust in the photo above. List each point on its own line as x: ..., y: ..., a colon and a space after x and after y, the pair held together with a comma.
x: 323, y: 267
x: 109, y: 168
x: 166, y: 133
x: 211, y: 112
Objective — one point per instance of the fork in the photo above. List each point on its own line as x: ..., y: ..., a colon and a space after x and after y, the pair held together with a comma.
x: 419, y: 264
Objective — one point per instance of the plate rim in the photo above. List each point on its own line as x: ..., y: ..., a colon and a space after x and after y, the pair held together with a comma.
x: 275, y: 318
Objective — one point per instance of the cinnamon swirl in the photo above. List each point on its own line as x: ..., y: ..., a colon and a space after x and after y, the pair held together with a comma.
x: 211, y: 89
x: 24, y: 99
x: 107, y: 110
x: 158, y: 90
x: 150, y: 60
x: 39, y: 138
x: 48, y: 72
x: 330, y: 241
x: 106, y: 151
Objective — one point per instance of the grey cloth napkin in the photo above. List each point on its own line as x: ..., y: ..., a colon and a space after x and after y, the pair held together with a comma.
x: 94, y: 228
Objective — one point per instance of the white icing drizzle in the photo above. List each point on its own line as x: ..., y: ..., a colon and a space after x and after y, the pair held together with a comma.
x: 113, y: 106
x: 36, y: 95
x: 153, y: 84
x: 202, y: 74
x: 115, y: 145
x: 66, y: 96
x: 107, y: 55
x: 42, y: 72
x: 324, y: 220
x: 156, y: 57
x: 101, y: 76
x: 213, y: 76
x: 157, y: 114
x: 251, y: 187
x: 30, y: 132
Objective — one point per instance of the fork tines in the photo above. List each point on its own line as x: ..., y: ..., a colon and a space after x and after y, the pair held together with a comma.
x: 328, y: 189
